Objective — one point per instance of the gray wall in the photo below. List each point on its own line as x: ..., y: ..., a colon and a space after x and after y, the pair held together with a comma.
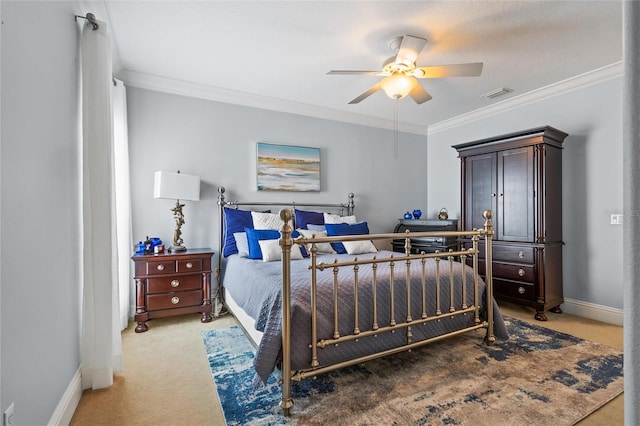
x: 217, y: 141
x: 592, y: 180
x: 39, y: 247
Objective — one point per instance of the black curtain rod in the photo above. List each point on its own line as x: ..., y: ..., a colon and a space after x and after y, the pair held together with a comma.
x: 91, y: 18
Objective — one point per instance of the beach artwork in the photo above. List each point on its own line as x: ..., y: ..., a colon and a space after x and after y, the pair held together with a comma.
x: 288, y: 168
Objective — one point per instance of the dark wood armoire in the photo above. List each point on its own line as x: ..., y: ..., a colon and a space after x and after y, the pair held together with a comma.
x: 518, y: 176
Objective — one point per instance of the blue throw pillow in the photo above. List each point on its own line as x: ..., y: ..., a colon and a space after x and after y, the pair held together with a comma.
x: 295, y: 234
x: 303, y: 218
x: 339, y: 229
x: 235, y: 220
x: 255, y: 235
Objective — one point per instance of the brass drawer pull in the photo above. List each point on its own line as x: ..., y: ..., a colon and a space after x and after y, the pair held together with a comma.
x: 521, y: 272
x: 189, y: 265
x: 521, y: 290
x: 521, y: 254
x: 160, y: 267
x: 175, y: 283
x: 175, y: 300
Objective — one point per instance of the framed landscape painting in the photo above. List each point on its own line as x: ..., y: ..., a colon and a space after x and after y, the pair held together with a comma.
x: 288, y: 168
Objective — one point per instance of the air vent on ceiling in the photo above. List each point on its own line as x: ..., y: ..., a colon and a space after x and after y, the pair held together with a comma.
x: 495, y: 93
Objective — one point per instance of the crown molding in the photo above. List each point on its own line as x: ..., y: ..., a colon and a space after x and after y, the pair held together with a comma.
x: 217, y: 94
x: 580, y: 81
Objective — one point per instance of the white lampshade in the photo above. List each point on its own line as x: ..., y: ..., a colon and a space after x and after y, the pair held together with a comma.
x: 398, y: 86
x: 176, y: 186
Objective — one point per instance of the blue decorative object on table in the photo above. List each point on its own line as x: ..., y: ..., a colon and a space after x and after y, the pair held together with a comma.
x: 148, y: 246
x: 407, y: 215
x: 417, y: 213
x: 140, y: 248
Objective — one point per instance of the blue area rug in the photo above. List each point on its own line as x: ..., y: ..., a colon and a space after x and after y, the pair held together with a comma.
x: 538, y: 376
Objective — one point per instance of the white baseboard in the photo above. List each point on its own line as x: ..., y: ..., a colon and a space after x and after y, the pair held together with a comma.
x: 69, y: 402
x: 592, y: 311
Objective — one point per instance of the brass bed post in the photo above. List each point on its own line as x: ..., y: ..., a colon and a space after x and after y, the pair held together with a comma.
x: 488, y: 235
x: 219, y: 292
x: 476, y: 302
x: 351, y: 205
x: 285, y: 243
x: 314, y: 307
x: 452, y: 308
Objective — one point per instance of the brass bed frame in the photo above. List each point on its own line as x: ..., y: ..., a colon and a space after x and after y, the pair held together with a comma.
x: 470, y: 255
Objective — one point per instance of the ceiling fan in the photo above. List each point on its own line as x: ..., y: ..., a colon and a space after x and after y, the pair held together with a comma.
x: 401, y: 73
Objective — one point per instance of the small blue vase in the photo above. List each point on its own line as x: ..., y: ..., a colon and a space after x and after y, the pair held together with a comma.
x: 407, y: 215
x: 417, y: 213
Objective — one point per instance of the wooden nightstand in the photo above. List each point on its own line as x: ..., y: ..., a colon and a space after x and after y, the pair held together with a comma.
x: 172, y: 284
x: 431, y: 244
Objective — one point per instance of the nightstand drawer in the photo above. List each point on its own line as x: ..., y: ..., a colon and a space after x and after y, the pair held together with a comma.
x: 174, y: 300
x: 161, y: 267
x: 191, y: 265
x: 177, y: 283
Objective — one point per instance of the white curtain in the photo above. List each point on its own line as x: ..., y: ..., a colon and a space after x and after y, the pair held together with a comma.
x: 101, y: 345
x: 122, y: 193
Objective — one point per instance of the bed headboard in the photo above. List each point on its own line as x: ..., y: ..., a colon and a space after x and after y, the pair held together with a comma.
x: 345, y: 209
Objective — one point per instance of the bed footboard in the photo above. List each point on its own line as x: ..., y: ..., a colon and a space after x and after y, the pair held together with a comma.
x: 410, y: 272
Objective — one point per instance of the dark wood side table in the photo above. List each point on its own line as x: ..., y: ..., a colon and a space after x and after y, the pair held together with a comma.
x: 426, y: 244
x: 172, y: 284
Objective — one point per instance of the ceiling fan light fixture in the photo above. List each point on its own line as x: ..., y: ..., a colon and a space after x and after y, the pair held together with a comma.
x: 397, y: 86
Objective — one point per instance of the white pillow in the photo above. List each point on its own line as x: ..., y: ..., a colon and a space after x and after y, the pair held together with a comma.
x: 359, y: 247
x: 272, y: 251
x: 336, y: 218
x: 322, y: 247
x: 242, y: 243
x: 266, y: 220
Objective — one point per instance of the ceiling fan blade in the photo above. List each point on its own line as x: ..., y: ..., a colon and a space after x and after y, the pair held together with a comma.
x: 366, y: 94
x: 419, y: 95
x: 409, y: 49
x: 352, y: 72
x: 457, y: 70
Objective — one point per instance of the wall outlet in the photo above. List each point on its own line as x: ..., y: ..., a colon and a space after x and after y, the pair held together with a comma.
x: 616, y: 219
x: 7, y: 417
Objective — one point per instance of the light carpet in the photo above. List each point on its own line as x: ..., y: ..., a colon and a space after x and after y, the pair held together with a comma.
x: 539, y: 376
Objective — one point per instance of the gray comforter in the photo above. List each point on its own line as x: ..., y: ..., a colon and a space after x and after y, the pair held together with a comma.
x: 257, y: 287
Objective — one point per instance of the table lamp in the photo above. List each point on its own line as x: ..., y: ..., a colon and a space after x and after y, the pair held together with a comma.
x: 176, y: 186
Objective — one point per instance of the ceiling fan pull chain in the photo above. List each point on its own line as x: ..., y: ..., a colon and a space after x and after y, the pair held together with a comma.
x: 395, y: 129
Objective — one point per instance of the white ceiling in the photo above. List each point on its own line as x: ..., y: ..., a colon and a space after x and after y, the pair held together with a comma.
x: 275, y: 54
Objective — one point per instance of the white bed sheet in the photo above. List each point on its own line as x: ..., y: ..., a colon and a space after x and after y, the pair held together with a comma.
x: 246, y: 322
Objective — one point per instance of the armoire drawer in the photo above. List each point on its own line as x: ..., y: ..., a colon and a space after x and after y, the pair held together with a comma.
x: 509, y: 271
x: 504, y: 253
x: 513, y: 272
x: 513, y: 290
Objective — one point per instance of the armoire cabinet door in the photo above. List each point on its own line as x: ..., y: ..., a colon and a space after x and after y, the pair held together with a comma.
x: 519, y: 177
x: 516, y: 187
x: 480, y: 177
